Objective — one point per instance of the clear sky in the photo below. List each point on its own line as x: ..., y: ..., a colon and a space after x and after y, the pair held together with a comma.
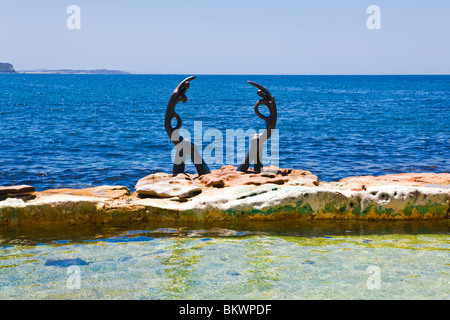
x: 229, y: 37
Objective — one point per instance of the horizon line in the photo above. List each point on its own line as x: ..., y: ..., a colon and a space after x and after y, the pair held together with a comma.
x: 227, y: 74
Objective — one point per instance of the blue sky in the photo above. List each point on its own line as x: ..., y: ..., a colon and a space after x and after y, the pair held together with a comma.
x: 229, y: 37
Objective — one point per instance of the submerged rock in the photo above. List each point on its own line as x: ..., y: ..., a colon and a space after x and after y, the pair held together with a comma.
x: 66, y: 262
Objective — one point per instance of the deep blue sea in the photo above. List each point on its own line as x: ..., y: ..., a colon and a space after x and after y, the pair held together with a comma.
x: 87, y: 130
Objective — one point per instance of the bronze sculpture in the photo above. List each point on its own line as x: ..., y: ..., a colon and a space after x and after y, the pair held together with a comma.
x: 185, y: 146
x: 256, y: 142
x: 182, y: 145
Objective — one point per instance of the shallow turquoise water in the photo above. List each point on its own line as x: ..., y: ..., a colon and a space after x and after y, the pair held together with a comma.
x: 218, y: 263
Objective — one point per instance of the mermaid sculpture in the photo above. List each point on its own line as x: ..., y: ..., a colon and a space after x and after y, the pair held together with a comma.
x: 182, y: 145
x: 256, y: 142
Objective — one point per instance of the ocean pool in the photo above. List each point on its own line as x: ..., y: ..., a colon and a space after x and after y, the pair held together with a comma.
x: 255, y: 261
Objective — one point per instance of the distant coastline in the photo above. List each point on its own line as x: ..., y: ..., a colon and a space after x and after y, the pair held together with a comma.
x: 9, y: 68
x: 70, y: 71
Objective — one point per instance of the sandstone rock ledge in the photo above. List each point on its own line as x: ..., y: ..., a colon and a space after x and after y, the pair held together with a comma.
x: 225, y: 194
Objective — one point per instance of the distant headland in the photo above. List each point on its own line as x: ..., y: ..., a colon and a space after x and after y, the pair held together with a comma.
x: 9, y: 68
x: 6, y: 68
x: 70, y: 71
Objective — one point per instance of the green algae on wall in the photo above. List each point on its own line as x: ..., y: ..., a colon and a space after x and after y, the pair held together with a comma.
x: 290, y: 203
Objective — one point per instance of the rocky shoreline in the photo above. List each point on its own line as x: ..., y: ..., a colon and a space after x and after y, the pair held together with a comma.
x: 229, y: 195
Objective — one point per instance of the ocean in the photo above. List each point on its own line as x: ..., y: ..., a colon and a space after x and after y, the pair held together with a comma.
x: 78, y: 131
